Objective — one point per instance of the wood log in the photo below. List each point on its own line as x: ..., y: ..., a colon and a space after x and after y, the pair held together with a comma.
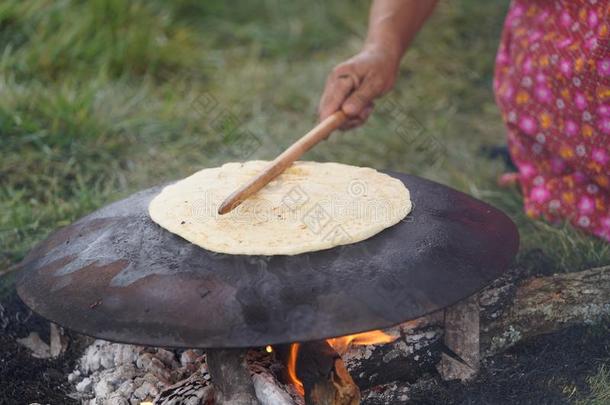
x: 231, y: 377
x: 269, y: 391
x: 40, y: 349
x: 516, y: 310
x: 195, y: 390
x: 515, y: 307
x: 323, y: 374
x: 414, y: 353
x: 267, y: 372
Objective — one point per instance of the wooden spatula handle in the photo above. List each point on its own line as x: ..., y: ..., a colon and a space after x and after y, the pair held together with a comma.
x: 280, y: 163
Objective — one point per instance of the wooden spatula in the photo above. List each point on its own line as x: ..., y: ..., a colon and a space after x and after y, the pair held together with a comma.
x: 285, y: 159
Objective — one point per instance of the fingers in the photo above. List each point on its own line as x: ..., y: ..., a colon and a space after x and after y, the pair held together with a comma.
x: 338, y: 88
x: 360, y: 119
x: 353, y: 93
x: 363, y: 96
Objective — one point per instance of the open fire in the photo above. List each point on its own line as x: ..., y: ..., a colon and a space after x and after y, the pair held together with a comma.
x: 340, y: 345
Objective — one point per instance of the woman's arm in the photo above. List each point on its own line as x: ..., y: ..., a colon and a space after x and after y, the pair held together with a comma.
x: 354, y: 84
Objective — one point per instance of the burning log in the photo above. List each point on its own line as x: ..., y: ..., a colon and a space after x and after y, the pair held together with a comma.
x: 318, y: 370
x: 414, y: 352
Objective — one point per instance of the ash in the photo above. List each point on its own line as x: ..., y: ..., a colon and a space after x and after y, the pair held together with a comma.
x: 119, y: 374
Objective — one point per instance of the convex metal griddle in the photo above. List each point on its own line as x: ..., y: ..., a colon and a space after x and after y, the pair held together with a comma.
x: 117, y: 275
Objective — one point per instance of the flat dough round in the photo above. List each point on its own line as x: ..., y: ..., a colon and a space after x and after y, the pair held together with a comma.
x: 311, y: 206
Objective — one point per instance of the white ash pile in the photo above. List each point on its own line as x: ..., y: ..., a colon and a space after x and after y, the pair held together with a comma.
x: 110, y: 373
x: 118, y: 374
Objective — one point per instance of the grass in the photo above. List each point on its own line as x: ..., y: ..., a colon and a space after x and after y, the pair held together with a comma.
x: 102, y: 98
x: 599, y: 386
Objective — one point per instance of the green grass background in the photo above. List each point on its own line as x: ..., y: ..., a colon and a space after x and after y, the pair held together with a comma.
x: 101, y: 98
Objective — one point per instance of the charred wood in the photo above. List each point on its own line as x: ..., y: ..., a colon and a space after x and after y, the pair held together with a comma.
x: 414, y: 353
x: 195, y: 390
x: 325, y: 379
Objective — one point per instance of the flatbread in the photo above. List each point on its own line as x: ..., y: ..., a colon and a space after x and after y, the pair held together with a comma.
x: 311, y: 206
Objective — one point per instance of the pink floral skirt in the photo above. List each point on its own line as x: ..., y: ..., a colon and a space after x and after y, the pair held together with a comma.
x: 552, y: 83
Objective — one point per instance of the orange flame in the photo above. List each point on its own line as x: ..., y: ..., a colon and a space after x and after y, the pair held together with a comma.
x: 292, y: 368
x: 340, y: 344
x: 374, y: 337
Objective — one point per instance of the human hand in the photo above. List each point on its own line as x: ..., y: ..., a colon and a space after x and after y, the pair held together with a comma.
x: 353, y: 85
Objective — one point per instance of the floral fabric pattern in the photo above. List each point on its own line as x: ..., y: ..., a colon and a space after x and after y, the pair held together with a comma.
x: 552, y: 84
